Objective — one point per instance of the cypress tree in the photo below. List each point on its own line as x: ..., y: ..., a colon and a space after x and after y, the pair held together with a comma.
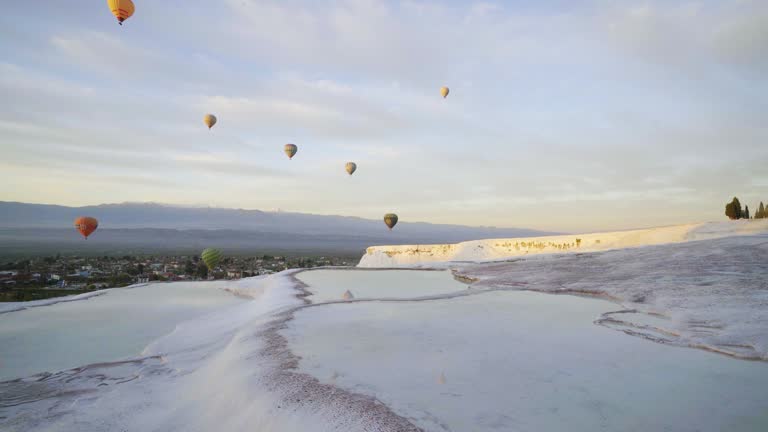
x: 746, y: 212
x: 760, y: 211
x: 733, y: 209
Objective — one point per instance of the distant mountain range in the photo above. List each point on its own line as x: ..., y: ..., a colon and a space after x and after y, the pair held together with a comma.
x: 28, y: 229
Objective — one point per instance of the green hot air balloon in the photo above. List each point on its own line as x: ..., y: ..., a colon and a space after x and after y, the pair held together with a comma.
x: 211, y: 257
x: 391, y: 220
x: 290, y: 150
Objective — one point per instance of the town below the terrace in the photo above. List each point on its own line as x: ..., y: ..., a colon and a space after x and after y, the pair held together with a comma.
x: 54, y: 276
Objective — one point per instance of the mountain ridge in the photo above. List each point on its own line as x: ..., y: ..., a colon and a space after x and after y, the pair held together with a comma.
x: 156, y: 215
x: 30, y: 229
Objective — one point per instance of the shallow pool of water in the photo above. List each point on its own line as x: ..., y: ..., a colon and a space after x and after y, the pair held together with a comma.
x: 330, y: 285
x: 113, y: 326
x: 523, y: 361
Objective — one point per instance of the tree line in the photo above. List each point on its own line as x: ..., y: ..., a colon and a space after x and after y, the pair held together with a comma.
x: 734, y: 211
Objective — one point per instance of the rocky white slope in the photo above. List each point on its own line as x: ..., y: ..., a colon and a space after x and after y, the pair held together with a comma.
x: 500, y: 249
x: 700, y: 285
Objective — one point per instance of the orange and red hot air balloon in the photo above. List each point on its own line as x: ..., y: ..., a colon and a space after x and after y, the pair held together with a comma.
x: 86, y: 225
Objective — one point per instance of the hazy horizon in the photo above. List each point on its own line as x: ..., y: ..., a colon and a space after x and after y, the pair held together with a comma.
x: 205, y: 206
x: 601, y: 115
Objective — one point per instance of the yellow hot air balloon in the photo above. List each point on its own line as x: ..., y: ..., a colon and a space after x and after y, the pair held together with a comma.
x: 209, y: 120
x: 290, y: 150
x: 350, y: 167
x: 121, y: 9
x: 390, y: 219
x: 444, y: 92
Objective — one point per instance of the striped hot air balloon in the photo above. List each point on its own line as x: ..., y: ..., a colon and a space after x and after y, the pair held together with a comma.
x: 209, y: 120
x: 351, y: 167
x: 290, y: 150
x: 86, y: 225
x: 390, y: 219
x: 121, y: 9
x: 211, y: 257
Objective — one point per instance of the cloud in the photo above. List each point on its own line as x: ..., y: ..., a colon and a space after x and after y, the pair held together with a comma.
x: 690, y: 35
x: 743, y: 40
x: 225, y: 165
x: 560, y: 113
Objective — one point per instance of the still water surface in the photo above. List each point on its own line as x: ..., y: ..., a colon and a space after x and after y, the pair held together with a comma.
x: 113, y: 326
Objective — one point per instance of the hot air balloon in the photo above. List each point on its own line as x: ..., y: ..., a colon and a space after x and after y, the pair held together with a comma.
x: 211, y: 257
x: 391, y: 220
x: 209, y: 120
x: 290, y: 150
x: 121, y: 9
x: 86, y: 225
x: 350, y: 167
x: 444, y: 92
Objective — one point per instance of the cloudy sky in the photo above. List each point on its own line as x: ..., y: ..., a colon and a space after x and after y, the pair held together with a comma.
x: 563, y: 115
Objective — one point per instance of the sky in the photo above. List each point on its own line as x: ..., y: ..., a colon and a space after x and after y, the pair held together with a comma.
x: 563, y: 115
